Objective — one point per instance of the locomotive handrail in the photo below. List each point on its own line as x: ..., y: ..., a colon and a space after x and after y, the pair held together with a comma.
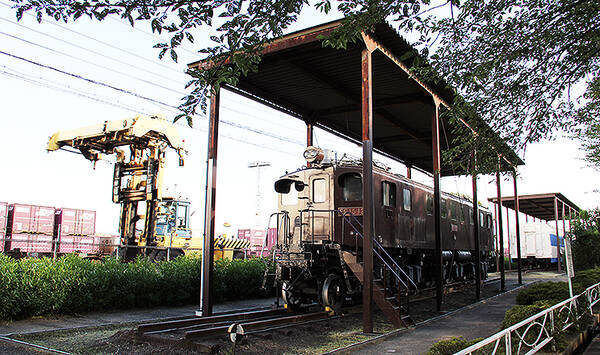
x: 390, y: 263
x: 380, y: 247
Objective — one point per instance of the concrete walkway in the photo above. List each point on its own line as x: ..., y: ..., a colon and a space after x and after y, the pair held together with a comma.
x: 479, y: 320
x: 119, y: 316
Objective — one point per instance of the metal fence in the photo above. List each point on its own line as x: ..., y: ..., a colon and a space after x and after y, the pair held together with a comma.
x: 535, y: 332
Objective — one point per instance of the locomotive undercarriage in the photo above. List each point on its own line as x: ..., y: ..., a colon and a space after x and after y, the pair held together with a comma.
x: 316, y: 272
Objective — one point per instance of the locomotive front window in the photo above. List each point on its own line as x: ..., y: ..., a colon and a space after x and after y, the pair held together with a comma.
x: 319, y: 191
x: 351, y: 184
x: 389, y: 194
x: 407, y: 200
x: 481, y: 219
x: 489, y: 219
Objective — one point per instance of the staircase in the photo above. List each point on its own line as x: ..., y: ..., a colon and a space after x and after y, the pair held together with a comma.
x: 392, y: 287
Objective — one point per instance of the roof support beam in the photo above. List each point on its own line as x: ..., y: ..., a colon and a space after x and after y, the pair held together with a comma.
x: 437, y: 209
x: 395, y: 100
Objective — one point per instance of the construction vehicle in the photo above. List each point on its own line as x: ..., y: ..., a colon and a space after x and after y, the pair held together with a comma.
x: 140, y: 146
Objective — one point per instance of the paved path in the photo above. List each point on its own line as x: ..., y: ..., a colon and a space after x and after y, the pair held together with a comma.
x: 120, y: 316
x: 480, y: 320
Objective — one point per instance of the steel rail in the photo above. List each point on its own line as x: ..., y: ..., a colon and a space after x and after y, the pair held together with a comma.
x: 178, y: 324
x: 258, y: 324
x: 39, y: 347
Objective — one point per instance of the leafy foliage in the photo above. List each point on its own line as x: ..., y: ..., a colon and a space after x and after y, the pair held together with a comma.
x: 519, y: 313
x: 586, y: 240
x: 35, y: 287
x: 553, y: 292
x: 451, y: 346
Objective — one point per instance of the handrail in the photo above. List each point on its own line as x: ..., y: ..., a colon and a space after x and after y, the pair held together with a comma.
x: 395, y: 267
x: 543, y: 320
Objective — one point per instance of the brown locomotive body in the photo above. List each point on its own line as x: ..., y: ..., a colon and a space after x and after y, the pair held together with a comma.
x: 321, y: 220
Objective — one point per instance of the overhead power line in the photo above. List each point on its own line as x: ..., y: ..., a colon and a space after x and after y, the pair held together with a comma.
x: 91, y: 63
x: 166, y: 105
x: 101, y: 42
x: 140, y: 68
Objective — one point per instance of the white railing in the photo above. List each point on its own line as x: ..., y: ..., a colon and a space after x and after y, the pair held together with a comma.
x: 535, y: 332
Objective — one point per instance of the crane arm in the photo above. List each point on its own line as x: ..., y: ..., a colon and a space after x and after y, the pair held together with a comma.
x: 139, y: 131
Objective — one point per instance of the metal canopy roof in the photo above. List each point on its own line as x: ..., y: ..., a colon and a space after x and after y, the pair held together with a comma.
x: 321, y: 85
x: 540, y: 205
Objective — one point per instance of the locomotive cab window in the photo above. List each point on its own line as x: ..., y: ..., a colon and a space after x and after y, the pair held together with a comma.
x: 319, y: 190
x: 453, y: 211
x: 471, y: 216
x: 481, y: 219
x: 489, y: 220
x: 407, y: 202
x: 351, y: 184
x: 429, y: 205
x: 444, y: 210
x: 388, y: 190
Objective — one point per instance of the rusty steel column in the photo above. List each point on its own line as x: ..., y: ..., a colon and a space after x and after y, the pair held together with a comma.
x: 508, y: 239
x: 408, y: 172
x: 309, y: 138
x: 557, y: 236
x: 496, y: 232
x: 517, y: 228
x: 208, y: 254
x: 437, y: 210
x: 500, y: 232
x: 368, y: 194
x: 476, y: 231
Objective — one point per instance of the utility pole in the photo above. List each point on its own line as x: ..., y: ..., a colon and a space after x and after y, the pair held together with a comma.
x: 259, y: 165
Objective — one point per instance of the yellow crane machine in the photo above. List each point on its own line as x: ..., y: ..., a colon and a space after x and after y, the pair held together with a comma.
x: 140, y: 144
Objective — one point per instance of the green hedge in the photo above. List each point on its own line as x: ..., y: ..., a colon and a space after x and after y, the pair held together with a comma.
x: 552, y: 292
x: 35, y: 287
x: 451, y: 346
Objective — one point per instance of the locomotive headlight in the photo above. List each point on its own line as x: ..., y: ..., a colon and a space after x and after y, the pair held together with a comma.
x: 313, y: 154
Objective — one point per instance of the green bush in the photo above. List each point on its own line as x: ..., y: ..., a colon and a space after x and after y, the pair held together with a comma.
x: 451, y: 346
x: 552, y: 292
x: 35, y: 287
x: 522, y: 312
x: 586, y: 278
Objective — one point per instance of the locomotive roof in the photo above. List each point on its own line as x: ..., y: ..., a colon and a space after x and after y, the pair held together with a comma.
x: 322, y: 85
x: 378, y: 170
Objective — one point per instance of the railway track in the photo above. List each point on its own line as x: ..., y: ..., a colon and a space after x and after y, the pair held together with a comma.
x: 197, y: 332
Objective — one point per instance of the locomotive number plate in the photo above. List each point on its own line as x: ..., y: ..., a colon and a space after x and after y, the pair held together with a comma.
x: 356, y: 211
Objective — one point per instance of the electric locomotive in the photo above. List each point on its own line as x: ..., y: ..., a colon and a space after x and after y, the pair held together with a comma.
x: 319, y: 233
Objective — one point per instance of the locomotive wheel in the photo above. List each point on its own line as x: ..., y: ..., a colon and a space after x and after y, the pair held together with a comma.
x: 291, y: 297
x: 333, y: 292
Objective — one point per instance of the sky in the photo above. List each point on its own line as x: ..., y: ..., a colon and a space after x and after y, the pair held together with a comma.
x: 37, y: 100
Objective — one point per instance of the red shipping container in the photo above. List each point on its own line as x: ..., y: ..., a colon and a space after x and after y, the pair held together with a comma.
x: 31, y: 219
x: 75, y: 221
x: 3, y: 217
x: 257, y: 239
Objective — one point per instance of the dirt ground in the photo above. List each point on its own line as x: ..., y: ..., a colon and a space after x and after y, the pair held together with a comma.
x: 316, y: 337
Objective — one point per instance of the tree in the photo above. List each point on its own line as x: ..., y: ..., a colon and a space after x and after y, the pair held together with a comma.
x: 527, y: 67
x: 586, y: 240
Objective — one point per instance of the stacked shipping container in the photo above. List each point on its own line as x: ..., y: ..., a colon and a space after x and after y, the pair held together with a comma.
x: 257, y: 238
x: 42, y: 230
x: 3, y: 214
